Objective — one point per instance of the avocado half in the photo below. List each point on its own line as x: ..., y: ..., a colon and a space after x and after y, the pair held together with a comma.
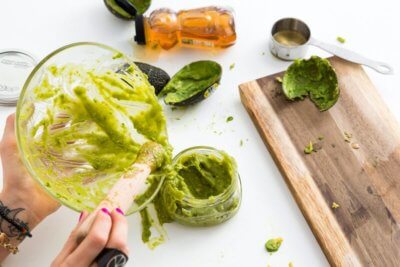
x: 193, y: 83
x: 315, y: 78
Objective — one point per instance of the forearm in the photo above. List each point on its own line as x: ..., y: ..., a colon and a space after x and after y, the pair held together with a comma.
x: 17, y: 209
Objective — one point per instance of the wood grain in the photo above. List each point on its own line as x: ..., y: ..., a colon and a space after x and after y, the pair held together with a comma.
x: 365, y: 182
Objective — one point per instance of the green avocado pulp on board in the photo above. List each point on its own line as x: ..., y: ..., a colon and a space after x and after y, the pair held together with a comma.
x: 90, y: 131
x: 314, y: 77
x: 192, y: 83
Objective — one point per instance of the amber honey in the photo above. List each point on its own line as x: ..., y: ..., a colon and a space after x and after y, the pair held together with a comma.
x: 209, y: 27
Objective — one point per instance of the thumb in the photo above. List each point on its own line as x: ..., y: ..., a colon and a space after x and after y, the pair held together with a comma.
x: 9, y: 130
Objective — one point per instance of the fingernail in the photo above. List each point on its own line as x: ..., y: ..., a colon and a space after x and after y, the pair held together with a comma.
x: 106, y: 211
x: 80, y: 216
x: 120, y: 211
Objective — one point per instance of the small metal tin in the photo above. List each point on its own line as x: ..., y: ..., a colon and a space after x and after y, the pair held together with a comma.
x: 15, y: 67
x: 289, y: 52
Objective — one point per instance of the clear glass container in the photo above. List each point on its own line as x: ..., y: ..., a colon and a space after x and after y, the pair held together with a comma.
x: 53, y: 170
x: 193, y: 211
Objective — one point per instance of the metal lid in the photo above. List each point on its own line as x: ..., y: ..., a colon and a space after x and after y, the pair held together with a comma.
x: 140, y: 37
x: 15, y: 67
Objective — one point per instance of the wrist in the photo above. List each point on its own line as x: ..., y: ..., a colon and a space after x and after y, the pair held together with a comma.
x: 14, y: 210
x: 22, y: 208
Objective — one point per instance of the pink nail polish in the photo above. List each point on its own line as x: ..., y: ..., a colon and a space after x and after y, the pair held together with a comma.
x: 105, y: 211
x: 80, y: 216
x: 120, y: 211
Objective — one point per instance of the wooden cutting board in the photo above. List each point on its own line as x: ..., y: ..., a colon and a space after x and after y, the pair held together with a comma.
x: 365, y: 182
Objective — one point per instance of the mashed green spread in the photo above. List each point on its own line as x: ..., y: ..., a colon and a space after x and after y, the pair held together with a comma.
x: 341, y: 39
x: 147, y: 223
x: 203, y: 176
x: 312, y: 77
x: 273, y: 244
x: 203, y: 189
x: 88, y: 127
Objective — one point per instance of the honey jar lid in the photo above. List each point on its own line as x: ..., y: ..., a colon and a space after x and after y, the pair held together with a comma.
x: 15, y: 67
x: 139, y: 26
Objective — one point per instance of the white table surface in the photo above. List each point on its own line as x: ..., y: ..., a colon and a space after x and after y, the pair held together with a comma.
x: 268, y: 210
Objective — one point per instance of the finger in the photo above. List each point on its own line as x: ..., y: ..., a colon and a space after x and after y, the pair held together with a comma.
x: 71, y: 244
x: 84, y: 214
x: 119, y: 232
x: 9, y: 139
x: 95, y: 241
x: 9, y: 130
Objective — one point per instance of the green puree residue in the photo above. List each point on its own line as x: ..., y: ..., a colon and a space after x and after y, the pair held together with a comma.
x: 192, y: 188
x: 147, y: 222
x: 314, y: 77
x: 273, y: 245
x: 203, y: 176
x: 194, y: 193
x: 93, y: 125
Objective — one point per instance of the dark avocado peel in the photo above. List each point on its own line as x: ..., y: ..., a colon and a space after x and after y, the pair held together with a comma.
x: 157, y: 77
x: 314, y: 77
x: 193, y: 83
x: 127, y: 9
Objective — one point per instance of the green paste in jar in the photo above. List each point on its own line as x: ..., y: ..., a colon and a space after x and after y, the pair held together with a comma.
x: 202, y: 189
x: 203, y: 176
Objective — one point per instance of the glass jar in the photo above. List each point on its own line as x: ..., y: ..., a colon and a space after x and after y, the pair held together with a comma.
x: 62, y: 167
x: 187, y: 209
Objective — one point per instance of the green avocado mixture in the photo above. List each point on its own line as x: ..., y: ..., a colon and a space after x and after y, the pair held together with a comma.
x: 341, y: 39
x: 192, y: 83
x: 312, y: 77
x: 273, y: 244
x: 203, y: 176
x: 196, y: 192
x: 147, y: 223
x: 90, y: 130
x: 199, y: 179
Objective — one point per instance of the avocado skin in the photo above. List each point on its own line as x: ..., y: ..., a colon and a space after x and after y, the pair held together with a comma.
x: 192, y: 83
x: 197, y: 97
x: 117, y: 14
x: 156, y: 76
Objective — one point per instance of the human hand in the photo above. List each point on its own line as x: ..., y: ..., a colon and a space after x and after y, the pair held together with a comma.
x: 109, y: 230
x: 21, y: 199
x: 20, y: 191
